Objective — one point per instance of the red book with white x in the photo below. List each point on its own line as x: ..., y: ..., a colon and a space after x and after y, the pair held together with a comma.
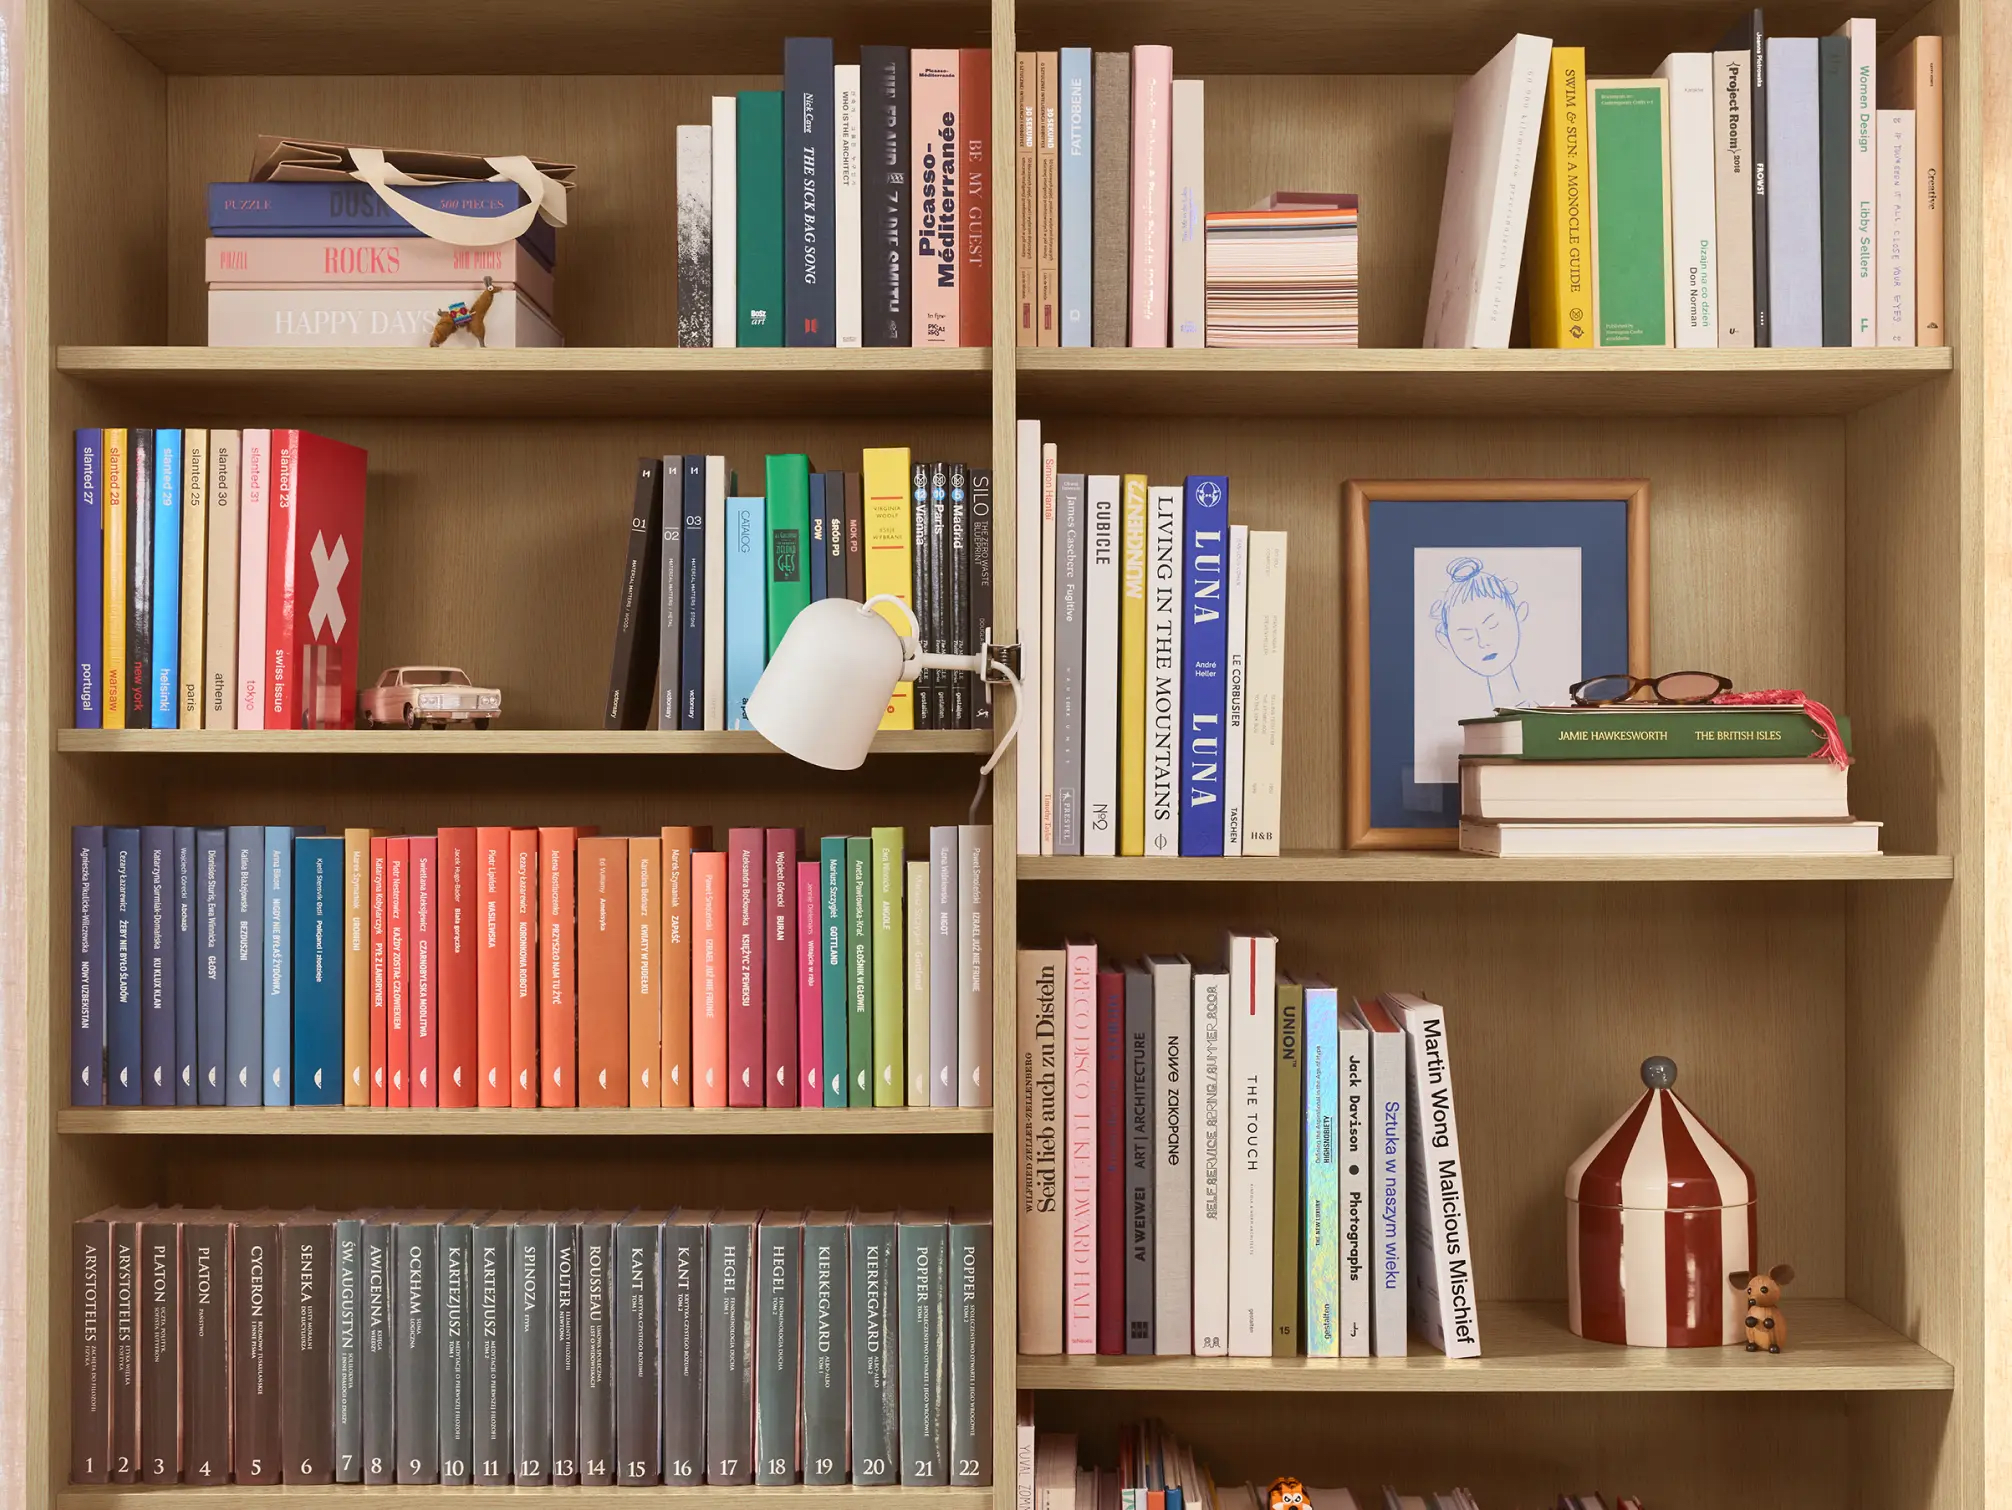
x: 314, y: 581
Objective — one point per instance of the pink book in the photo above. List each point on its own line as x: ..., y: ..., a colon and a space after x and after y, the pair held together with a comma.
x: 933, y: 193
x: 1152, y: 193
x: 779, y: 965
x: 1079, y: 1211
x: 809, y: 984
x: 359, y: 261
x: 254, y: 498
x: 747, y: 850
x: 397, y: 945
x: 454, y: 966
x: 709, y: 999
x: 422, y: 875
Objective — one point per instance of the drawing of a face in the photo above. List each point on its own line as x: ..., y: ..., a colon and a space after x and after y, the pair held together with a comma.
x: 1484, y: 633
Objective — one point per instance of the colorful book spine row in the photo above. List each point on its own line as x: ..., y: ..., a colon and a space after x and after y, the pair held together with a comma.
x: 714, y: 579
x: 554, y: 967
x: 849, y: 208
x: 1152, y: 654
x: 1221, y: 1160
x: 218, y: 579
x: 576, y: 1348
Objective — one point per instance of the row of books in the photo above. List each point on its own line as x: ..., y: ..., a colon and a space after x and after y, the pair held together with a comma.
x: 218, y: 579
x: 591, y: 1348
x: 713, y: 580
x: 1780, y: 191
x: 278, y: 966
x: 849, y: 208
x: 1152, y: 639
x: 1219, y: 1160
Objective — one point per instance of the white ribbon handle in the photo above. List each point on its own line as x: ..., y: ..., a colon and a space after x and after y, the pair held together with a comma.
x: 541, y: 193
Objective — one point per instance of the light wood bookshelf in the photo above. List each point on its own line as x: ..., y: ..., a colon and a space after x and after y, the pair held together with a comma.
x: 1831, y: 520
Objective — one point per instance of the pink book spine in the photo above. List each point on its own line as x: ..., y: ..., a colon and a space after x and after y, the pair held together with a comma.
x: 419, y: 968
x: 1152, y: 193
x: 779, y: 966
x: 746, y: 954
x: 809, y: 984
x: 933, y: 193
x: 255, y: 466
x: 1079, y: 1271
x: 355, y: 261
x: 709, y: 1001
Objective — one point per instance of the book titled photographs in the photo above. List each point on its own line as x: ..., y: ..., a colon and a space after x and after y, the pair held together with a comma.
x: 531, y: 1348
x: 494, y: 967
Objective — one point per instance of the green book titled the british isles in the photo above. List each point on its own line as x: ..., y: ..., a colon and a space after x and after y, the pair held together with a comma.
x: 1648, y: 733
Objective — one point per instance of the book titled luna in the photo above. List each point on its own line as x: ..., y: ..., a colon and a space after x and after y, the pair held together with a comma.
x: 1205, y: 643
x: 308, y: 209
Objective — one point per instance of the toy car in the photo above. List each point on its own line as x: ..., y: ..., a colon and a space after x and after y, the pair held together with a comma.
x: 433, y: 696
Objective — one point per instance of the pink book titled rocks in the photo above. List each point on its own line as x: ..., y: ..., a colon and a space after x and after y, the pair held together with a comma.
x: 326, y: 262
x: 399, y: 315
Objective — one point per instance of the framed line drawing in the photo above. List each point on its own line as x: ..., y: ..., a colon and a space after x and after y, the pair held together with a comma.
x: 1462, y: 596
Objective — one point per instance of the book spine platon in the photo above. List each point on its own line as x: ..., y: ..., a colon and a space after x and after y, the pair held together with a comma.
x: 161, y: 1349
x: 206, y: 1353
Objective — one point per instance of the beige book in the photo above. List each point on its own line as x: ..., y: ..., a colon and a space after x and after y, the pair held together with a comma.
x: 1026, y: 197
x: 220, y: 645
x: 1264, y: 692
x: 1914, y: 82
x: 355, y: 964
x: 195, y: 560
x: 1039, y: 1078
x: 916, y: 982
x: 1048, y: 176
x: 1048, y: 468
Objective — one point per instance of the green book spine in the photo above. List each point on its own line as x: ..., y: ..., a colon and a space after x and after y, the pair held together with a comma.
x: 1285, y: 1291
x: 859, y: 971
x: 1631, y: 211
x: 890, y: 1088
x: 788, y: 527
x: 758, y: 226
x: 832, y: 976
x: 1729, y: 734
x: 1833, y: 156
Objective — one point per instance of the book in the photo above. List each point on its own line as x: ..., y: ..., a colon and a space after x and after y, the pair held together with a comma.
x: 308, y: 260
x: 1030, y: 699
x: 254, y: 499
x: 531, y: 1363
x: 315, y: 553
x: 677, y: 959
x: 1112, y: 114
x: 686, y: 1265
x: 1696, y: 840
x: 887, y: 299
x: 644, y: 970
x: 933, y: 194
x: 956, y: 597
x: 809, y: 150
x: 1288, y: 1130
x: 745, y: 626
x: 211, y: 965
x: 1647, y: 731
x: 1795, y: 219
x: 1166, y: 609
x: 1694, y: 260
x: 1235, y: 679
x: 112, y: 582
x: 815, y: 556
x: 1076, y: 149
x: 206, y: 1354
x: 1066, y: 663
x: 889, y: 563
x: 1749, y: 35
x: 1560, y: 255
x: 925, y: 554
x: 968, y: 1341
x: 1151, y: 237
x: 628, y: 701
x: 1079, y: 1188
x: 1733, y: 197
x: 697, y: 543
x: 272, y: 207
x: 859, y: 972
x: 443, y: 891
x: 1631, y: 198
x: 669, y: 627
x: 415, y: 1300
x: 565, y: 1295
x: 873, y: 1309
x: 378, y: 1347
x: 558, y: 998
x: 1835, y: 201
x: 1205, y: 654
x: 1131, y: 668
x: 758, y: 200
x: 1110, y: 1161
x: 91, y: 1350
x: 398, y: 970
x: 1048, y: 198
x: 1441, y: 1299
x: 356, y: 963
x: 276, y: 965
x: 889, y: 1070
x: 1388, y: 1171
x: 142, y: 514
x: 123, y: 1375
x: 745, y: 964
x: 781, y: 1039
x: 256, y: 1349
x: 1173, y: 1124
x: 778, y: 1348
x: 826, y: 1385
x: 1897, y: 323
x: 695, y: 236
x: 88, y: 920
x: 525, y: 981
x: 922, y: 1317
x: 457, y: 1340
x: 1185, y: 281
x: 1027, y: 200
x: 1637, y: 790
x: 244, y: 994
x: 1040, y: 1075
x: 1489, y: 174
x: 388, y: 315
x: 1861, y: 99
x: 974, y: 198
x: 1914, y: 82
x: 647, y: 1351
x: 1213, y: 1092
x: 1318, y: 1221
x: 182, y: 908
x: 124, y: 973
x: 786, y: 544
x: 319, y: 959
x: 1138, y: 1085
x: 849, y: 177
x: 833, y: 976
x: 1249, y: 1135
x: 164, y: 696
x: 160, y: 1329
x: 88, y: 592
x: 599, y: 1294
x: 730, y: 1349
x: 944, y: 923
x: 490, y: 1454
x: 725, y: 220
x: 602, y: 951
x: 195, y: 502
x: 915, y: 991
x: 1101, y: 708
x: 974, y: 964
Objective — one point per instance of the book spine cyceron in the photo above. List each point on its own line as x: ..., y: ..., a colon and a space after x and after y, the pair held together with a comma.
x: 888, y: 301
x: 255, y: 1352
x: 629, y: 676
x: 810, y: 298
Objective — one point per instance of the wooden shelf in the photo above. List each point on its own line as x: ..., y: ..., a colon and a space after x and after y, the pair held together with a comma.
x: 480, y: 742
x: 1518, y: 383
x: 1380, y: 866
x: 499, y: 1121
x: 388, y: 1496
x: 1529, y: 1350
x: 607, y: 381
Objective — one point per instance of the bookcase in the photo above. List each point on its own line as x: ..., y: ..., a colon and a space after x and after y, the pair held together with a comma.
x: 1821, y: 519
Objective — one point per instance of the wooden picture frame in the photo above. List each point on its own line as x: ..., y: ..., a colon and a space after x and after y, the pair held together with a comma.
x: 1361, y: 828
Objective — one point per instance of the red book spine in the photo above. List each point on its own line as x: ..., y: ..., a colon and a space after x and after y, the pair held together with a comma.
x: 779, y: 966
x: 709, y: 978
x: 746, y: 955
x: 454, y: 965
x: 398, y: 1041
x: 423, y: 993
x: 523, y: 991
x: 380, y: 984
x: 1111, y: 1161
x: 283, y: 514
x: 810, y: 983
x: 557, y: 1010
x: 974, y: 200
x: 314, y: 600
x: 492, y: 966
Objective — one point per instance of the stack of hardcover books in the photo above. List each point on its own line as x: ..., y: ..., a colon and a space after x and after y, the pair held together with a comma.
x: 1284, y: 273
x: 1650, y: 779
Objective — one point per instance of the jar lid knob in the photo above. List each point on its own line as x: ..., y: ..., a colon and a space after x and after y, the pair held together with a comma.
x: 1659, y: 1073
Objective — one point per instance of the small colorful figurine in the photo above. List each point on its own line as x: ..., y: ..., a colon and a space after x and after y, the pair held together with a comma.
x: 1288, y: 1494
x: 469, y: 317
x: 1765, y: 1324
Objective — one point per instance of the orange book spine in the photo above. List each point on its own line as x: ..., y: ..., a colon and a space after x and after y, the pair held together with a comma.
x: 674, y: 960
x: 523, y: 967
x: 604, y: 972
x: 380, y: 984
x: 492, y: 966
x: 558, y: 1008
x: 454, y: 965
x: 397, y: 932
x: 709, y: 978
x: 646, y: 986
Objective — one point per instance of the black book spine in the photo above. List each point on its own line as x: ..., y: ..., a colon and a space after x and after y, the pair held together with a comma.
x: 685, y: 1263
x: 886, y: 300
x: 457, y: 1372
x: 380, y: 1446
x: 815, y: 555
x: 855, y: 538
x: 91, y: 1374
x: 346, y: 1342
x: 139, y: 579
x: 185, y: 966
x: 639, y: 1352
x: 826, y: 1450
x: 531, y: 1351
x: 307, y: 1429
x: 255, y: 1349
x: 161, y: 1350
x: 957, y: 600
x: 206, y: 1344
x: 876, y: 1399
x: 1833, y: 85
x: 730, y: 1356
x: 809, y: 187
x: 670, y: 580
x: 980, y: 573
x: 778, y: 1353
x: 597, y: 1342
x: 938, y: 623
x: 834, y: 535
x: 565, y: 1353
x: 491, y: 1447
x: 918, y: 586
x: 634, y: 662
x: 923, y: 1255
x: 1754, y: 36
x: 692, y: 605
x: 415, y: 1293
x: 125, y: 1373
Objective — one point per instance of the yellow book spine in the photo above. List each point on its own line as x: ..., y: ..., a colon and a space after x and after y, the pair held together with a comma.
x: 114, y: 684
x: 195, y: 571
x: 884, y: 480
x: 1132, y: 670
x: 1564, y: 311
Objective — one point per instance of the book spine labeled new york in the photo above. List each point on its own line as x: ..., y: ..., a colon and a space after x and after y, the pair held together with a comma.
x: 887, y: 297
x: 809, y: 148
x: 1205, y: 642
x: 490, y: 1446
x: 307, y: 1421
x: 1152, y: 201
x: 933, y: 161
x: 256, y: 1345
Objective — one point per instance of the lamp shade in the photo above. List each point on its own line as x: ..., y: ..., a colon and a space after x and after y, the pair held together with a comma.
x: 828, y: 684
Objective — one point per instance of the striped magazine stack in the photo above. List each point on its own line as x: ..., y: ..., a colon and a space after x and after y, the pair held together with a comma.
x: 1284, y: 273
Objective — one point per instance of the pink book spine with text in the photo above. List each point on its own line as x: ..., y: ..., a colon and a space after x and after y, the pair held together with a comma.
x: 357, y: 261
x: 1152, y: 193
x: 935, y: 145
x: 709, y: 1001
x: 779, y: 966
x: 423, y: 871
x: 1079, y: 1211
x: 746, y: 954
x: 809, y: 984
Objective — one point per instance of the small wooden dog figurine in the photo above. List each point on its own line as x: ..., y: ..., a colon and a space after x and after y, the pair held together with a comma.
x: 470, y: 316
x: 1766, y: 1326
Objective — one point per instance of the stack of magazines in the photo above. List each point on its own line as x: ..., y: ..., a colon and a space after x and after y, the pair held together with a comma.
x: 1284, y: 273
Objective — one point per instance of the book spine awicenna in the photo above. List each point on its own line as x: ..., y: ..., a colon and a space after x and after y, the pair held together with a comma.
x: 1211, y: 1206
x: 1132, y: 667
x: 1248, y: 1139
x: 1562, y: 313
x: 1693, y: 212
x: 1101, y: 697
x: 1152, y: 198
x: 1165, y: 605
x: 1897, y: 182
x: 1080, y: 1140
x: 1732, y: 164
x: 1039, y: 1078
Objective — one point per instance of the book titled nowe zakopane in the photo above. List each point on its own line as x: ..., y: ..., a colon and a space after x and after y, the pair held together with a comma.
x: 1650, y: 732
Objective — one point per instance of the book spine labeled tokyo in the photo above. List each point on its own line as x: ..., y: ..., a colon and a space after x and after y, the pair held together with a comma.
x: 826, y: 1385
x: 968, y: 1339
x: 876, y: 1397
x: 809, y: 188
x: 887, y: 297
x: 1205, y: 647
x: 637, y: 1293
x: 730, y: 1350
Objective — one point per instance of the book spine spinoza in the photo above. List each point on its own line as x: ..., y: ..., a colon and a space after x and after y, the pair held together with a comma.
x: 161, y: 1349
x: 888, y: 302
x: 380, y: 1446
x: 968, y: 1341
x: 923, y: 1312
x: 685, y: 1264
x: 206, y: 1343
x: 729, y: 1353
x: 531, y: 1351
x: 778, y: 1365
x: 306, y: 1365
x: 490, y: 1457
x: 825, y: 1383
x: 876, y: 1399
x: 597, y: 1352
x: 415, y: 1389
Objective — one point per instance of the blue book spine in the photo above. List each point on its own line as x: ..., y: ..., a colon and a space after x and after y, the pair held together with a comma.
x: 747, y: 605
x: 90, y: 590
x: 185, y: 967
x: 831, y: 885
x: 157, y: 966
x: 809, y: 187
x: 1794, y: 193
x: 820, y: 581
x: 692, y: 652
x: 167, y: 627
x: 317, y: 209
x: 122, y: 947
x: 1320, y: 1185
x: 212, y: 953
x: 276, y: 965
x: 87, y: 968
x: 1205, y: 646
x: 1077, y: 154
x: 244, y: 996
x: 317, y: 976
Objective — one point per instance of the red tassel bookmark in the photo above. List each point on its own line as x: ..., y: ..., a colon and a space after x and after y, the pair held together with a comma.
x: 1833, y: 748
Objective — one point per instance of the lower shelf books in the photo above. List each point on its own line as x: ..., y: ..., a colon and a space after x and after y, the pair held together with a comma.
x: 1219, y: 1159
x: 591, y: 1348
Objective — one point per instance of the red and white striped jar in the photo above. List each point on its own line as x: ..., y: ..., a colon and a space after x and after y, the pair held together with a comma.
x: 1657, y: 1213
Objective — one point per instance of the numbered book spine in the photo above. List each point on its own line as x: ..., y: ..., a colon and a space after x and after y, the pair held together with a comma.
x: 255, y: 1353
x: 686, y: 1262
x: 876, y: 1398
x: 974, y: 964
x: 531, y: 1350
x: 125, y: 1361
x: 92, y: 1375
x: 1140, y: 1084
x: 415, y: 1387
x: 566, y: 1352
x: 161, y: 1353
x: 1319, y: 1297
x: 380, y: 1446
x: 1039, y: 1074
x: 306, y: 1372
x: 969, y: 1345
x: 346, y: 1292
x: 1211, y: 1175
x: 778, y: 1298
x: 922, y: 1292
x: 457, y: 1371
x: 206, y: 1366
x: 730, y: 1351
x: 639, y: 1289
x: 490, y: 1450
x: 826, y: 1441
x: 1288, y: 1090
x: 979, y: 484
x: 597, y: 1337
x: 1174, y: 1086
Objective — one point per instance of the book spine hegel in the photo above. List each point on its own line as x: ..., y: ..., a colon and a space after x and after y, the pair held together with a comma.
x: 875, y: 1342
x: 1897, y: 323
x: 1732, y: 163
x: 566, y: 1352
x: 161, y: 1351
x: 597, y: 1342
x: 184, y: 932
x: 156, y: 956
x: 968, y: 1340
x: 922, y: 1259
x: 941, y: 917
x: 847, y: 144
x: 165, y: 701
x: 1561, y: 241
x: 415, y: 1388
x: 1102, y: 708
x: 1173, y: 1154
x: 778, y: 1302
x: 1834, y: 164
x: 809, y: 143
x: 1693, y: 215
x: 1319, y: 1246
x: 1205, y: 651
x: 642, y: 1368
x: 489, y: 1451
x: 726, y: 220
x: 974, y: 198
x: 1077, y: 151
x: 1048, y: 196
x: 1795, y: 217
x: 1110, y: 1156
x: 758, y: 203
x: 695, y: 235
x: 457, y: 1352
x: 629, y: 678
x: 195, y: 505
x: 1040, y: 1074
x: 206, y: 1364
x: 1027, y: 200
x: 685, y: 1267
x: 345, y: 1341
x: 887, y: 297
x: 141, y: 514
x: 92, y: 1375
x: 1140, y: 1084
x: 1211, y: 1171
x: 1152, y: 202
x: 1287, y: 1091
x: 531, y: 1351
x: 859, y: 976
x: 670, y: 618
x: 1166, y: 607
x: 1187, y: 224
x: 1441, y: 1298
x: 112, y: 584
x: 255, y: 1352
x: 306, y: 1367
x: 780, y: 1035
x: 1236, y: 683
x: 89, y: 548
x: 126, y: 1347
x: 974, y: 964
x: 1112, y: 219
x: 933, y: 194
x: 89, y: 919
x: 1067, y: 628
x: 1249, y: 1139
x: 915, y: 982
x: 890, y: 1081
x: 380, y: 1444
x: 826, y: 1450
x: 730, y: 1351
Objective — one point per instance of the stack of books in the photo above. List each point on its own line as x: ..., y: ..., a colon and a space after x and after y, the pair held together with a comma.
x: 1647, y: 779
x: 1152, y: 657
x: 218, y: 579
x: 496, y: 967
x: 531, y: 1348
x: 1284, y: 273
x: 1219, y: 1160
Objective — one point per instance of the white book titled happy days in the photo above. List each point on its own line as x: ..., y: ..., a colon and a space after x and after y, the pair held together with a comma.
x: 1253, y: 1072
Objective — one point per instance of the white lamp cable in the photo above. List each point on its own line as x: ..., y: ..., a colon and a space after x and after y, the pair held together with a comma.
x: 980, y: 665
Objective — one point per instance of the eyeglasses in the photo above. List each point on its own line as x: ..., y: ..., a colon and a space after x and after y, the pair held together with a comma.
x: 1670, y: 687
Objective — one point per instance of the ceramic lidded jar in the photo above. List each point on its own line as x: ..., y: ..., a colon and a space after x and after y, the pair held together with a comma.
x: 1657, y: 1213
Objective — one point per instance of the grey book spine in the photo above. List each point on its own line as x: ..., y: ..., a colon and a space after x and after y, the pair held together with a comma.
x: 490, y: 1451
x: 778, y: 1352
x: 1070, y: 524
x: 826, y: 1455
x: 457, y: 1353
x: 1141, y: 1087
x: 876, y: 1399
x: 306, y: 1369
x: 161, y: 1350
x: 348, y: 1349
x: 565, y: 1352
x: 923, y: 1255
x: 380, y: 1450
x: 206, y: 1343
x: 415, y: 1298
x: 671, y: 561
x: 639, y: 1353
x: 684, y: 1353
x: 1111, y: 221
x: 531, y: 1352
x: 729, y: 1355
x: 597, y: 1341
x: 91, y: 1353
x: 970, y: 1349
x: 943, y: 983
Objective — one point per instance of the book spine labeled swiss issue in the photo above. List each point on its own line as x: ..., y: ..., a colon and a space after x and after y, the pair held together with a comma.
x: 345, y: 1341
x: 747, y: 956
x: 255, y: 1351
x: 91, y: 1372
x: 566, y: 1351
x: 730, y: 1350
x: 779, y: 965
x: 968, y: 1339
x: 457, y: 1352
x: 306, y: 1381
x: 630, y: 675
x: 1079, y: 1218
x: 1141, y: 1086
x: 1026, y: 199
x: 944, y: 937
x: 1039, y: 1073
x: 597, y: 1345
x: 876, y: 1397
x: 922, y: 1259
x: 380, y: 1427
x: 934, y: 197
x: 531, y: 1350
x: 415, y: 1388
x: 979, y: 574
x: 640, y: 1376
x: 604, y: 971
x: 1048, y: 195
x: 825, y: 1383
x: 685, y: 1265
x: 884, y: 215
x: 558, y: 1011
x: 1110, y: 1179
x: 124, y: 1457
x: 87, y: 969
x: 1205, y: 652
x: 489, y: 1451
x: 161, y: 1348
x: 974, y: 198
x: 778, y: 1299
x: 206, y: 1345
x: 695, y: 235
x: 810, y: 144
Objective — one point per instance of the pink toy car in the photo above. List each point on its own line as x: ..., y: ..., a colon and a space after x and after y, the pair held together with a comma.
x: 432, y: 696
